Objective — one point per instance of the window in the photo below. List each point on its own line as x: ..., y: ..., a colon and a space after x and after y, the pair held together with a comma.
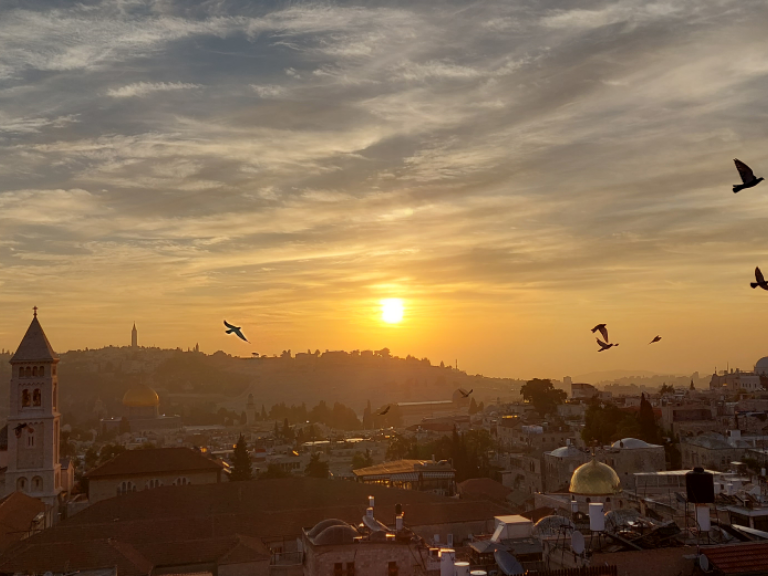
x: 181, y: 482
x: 26, y: 399
x: 350, y: 569
x: 126, y: 487
x: 37, y: 397
x: 37, y: 484
x: 21, y: 484
x: 392, y: 569
x: 28, y: 372
x: 154, y: 483
x: 34, y: 371
x: 41, y: 371
x: 337, y: 569
x: 31, y: 440
x: 55, y: 395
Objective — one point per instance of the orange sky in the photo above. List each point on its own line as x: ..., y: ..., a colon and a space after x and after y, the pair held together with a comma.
x: 515, y: 172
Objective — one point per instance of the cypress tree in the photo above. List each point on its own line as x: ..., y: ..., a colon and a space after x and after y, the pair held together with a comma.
x: 241, y: 462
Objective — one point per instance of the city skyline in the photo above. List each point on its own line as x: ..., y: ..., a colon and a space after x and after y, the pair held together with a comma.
x: 514, y: 174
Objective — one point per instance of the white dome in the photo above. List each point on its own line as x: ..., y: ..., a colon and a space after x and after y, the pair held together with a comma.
x: 630, y: 443
x: 762, y: 366
x: 565, y: 452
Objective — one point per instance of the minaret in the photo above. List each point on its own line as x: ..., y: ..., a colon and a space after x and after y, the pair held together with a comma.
x: 34, y: 419
x: 134, y: 337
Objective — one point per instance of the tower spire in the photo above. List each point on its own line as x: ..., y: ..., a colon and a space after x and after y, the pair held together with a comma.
x: 34, y: 308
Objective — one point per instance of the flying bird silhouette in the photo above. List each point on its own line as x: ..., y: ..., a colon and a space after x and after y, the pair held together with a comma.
x: 383, y: 411
x: 656, y: 339
x: 747, y: 177
x: 235, y: 330
x: 464, y: 393
x: 603, y: 345
x: 603, y: 330
x: 760, y: 280
x: 18, y: 429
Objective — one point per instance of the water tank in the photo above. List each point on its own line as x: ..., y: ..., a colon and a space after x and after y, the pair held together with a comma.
x: 596, y: 517
x: 700, y: 486
x: 462, y: 568
x: 478, y: 573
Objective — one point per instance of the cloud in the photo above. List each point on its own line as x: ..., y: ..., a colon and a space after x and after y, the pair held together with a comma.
x: 144, y: 88
x: 528, y: 163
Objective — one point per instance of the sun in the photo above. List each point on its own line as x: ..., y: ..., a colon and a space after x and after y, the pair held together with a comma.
x: 392, y: 310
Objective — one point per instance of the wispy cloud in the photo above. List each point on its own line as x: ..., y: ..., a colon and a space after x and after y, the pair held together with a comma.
x: 513, y: 169
x: 145, y: 88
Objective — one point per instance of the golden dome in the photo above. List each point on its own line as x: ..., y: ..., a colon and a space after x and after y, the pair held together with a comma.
x: 595, y: 479
x: 140, y: 396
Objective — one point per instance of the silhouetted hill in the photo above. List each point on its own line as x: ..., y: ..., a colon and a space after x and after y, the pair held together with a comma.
x: 190, y: 381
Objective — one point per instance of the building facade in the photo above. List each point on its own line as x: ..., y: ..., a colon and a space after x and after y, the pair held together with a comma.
x: 34, y: 421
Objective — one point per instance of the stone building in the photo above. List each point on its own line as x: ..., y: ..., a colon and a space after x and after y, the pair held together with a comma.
x: 136, y: 470
x: 141, y: 411
x: 34, y: 423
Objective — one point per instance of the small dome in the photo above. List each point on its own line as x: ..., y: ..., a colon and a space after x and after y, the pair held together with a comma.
x: 335, y: 535
x: 631, y: 443
x: 595, y: 479
x: 140, y: 396
x: 323, y: 524
x: 762, y: 366
x: 566, y: 451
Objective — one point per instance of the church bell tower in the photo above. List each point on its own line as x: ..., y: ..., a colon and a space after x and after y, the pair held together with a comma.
x: 34, y: 419
x: 134, y: 337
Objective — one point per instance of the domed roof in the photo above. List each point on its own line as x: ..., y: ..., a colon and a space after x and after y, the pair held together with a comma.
x: 595, y: 479
x: 140, y: 396
x: 323, y: 524
x: 565, y: 451
x: 335, y: 535
x: 631, y: 443
x: 762, y: 366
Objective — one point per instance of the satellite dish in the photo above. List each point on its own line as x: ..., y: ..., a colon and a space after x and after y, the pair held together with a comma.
x: 507, y: 563
x: 704, y: 563
x: 577, y: 542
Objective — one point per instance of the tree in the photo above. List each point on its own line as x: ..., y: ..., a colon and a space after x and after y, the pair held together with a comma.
x: 400, y: 447
x: 362, y: 460
x: 472, y: 406
x: 666, y: 389
x: 316, y: 467
x: 543, y: 395
x: 647, y: 421
x: 692, y: 386
x: 241, y: 462
x: 124, y: 426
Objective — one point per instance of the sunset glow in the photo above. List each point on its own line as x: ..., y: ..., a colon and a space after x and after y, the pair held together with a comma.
x: 392, y: 310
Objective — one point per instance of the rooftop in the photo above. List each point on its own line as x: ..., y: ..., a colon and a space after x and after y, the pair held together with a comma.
x: 154, y: 461
x: 34, y: 345
x: 738, y: 559
x: 408, y: 469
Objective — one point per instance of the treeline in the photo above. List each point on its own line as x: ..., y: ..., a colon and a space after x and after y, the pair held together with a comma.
x: 339, y: 416
x: 469, y: 452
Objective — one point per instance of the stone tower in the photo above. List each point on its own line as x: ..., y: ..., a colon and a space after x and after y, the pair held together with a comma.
x: 34, y: 419
x: 134, y: 337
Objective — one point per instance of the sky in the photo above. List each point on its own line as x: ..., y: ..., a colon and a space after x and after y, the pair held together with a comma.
x: 515, y: 172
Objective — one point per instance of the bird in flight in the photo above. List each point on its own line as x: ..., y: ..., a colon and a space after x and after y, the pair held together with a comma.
x: 603, y: 345
x: 760, y: 280
x: 235, y: 330
x: 18, y: 429
x: 464, y: 393
x: 747, y: 176
x: 383, y: 411
x: 603, y: 330
x: 656, y: 339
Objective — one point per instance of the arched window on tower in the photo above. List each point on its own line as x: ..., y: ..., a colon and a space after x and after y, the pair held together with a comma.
x: 34, y: 370
x: 37, y: 484
x: 21, y: 484
x: 37, y: 397
x: 26, y: 398
x: 41, y: 371
x: 55, y: 398
x: 28, y: 372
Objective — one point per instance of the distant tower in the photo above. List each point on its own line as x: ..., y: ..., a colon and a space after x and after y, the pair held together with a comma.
x: 34, y: 420
x: 134, y: 337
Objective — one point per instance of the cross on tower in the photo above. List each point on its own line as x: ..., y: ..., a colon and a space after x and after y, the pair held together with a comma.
x: 35, y: 309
